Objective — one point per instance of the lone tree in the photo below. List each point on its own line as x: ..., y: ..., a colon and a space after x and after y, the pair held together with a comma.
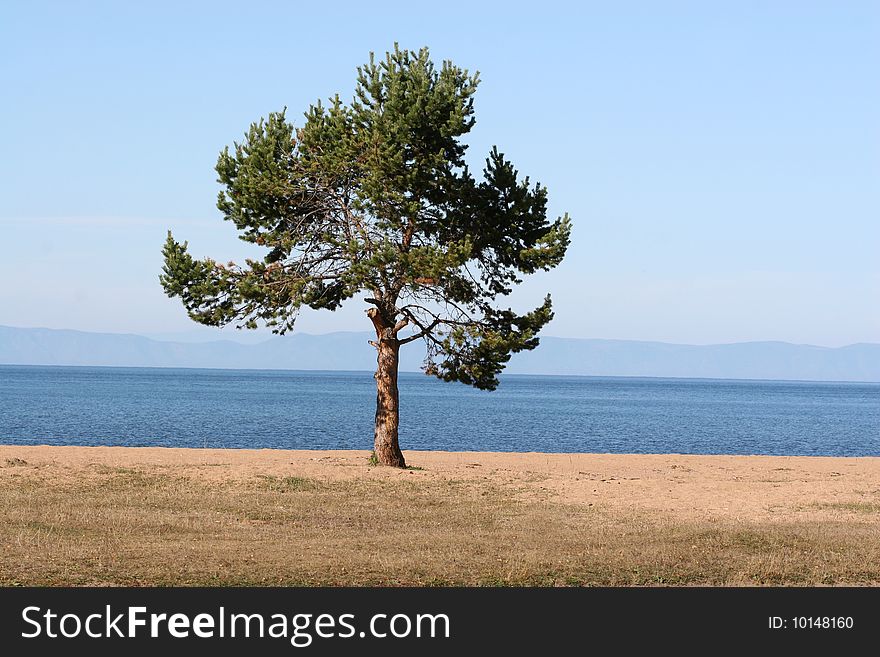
x: 375, y: 197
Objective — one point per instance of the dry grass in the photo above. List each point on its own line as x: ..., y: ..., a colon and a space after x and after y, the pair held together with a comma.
x: 203, y: 523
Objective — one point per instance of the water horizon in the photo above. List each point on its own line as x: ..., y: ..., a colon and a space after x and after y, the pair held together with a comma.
x: 503, y: 376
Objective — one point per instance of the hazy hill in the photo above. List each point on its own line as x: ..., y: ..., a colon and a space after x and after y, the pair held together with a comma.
x: 350, y: 351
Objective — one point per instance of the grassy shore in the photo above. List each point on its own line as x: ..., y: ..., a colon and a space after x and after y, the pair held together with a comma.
x: 151, y: 516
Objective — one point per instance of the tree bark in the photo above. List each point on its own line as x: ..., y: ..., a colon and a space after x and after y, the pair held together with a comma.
x: 386, y: 446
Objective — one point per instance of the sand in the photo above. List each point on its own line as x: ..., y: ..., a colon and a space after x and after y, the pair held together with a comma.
x: 737, y: 487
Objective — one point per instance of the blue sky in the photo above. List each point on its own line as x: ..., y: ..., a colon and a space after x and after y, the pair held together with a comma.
x: 721, y: 161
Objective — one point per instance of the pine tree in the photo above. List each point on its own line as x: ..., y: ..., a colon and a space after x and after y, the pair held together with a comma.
x: 375, y: 197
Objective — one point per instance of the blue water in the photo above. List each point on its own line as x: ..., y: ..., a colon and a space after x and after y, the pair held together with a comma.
x: 334, y: 410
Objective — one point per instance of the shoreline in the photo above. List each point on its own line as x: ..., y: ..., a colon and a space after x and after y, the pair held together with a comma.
x: 429, y: 452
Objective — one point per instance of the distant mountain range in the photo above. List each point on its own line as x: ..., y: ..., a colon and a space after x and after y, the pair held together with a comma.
x: 350, y: 351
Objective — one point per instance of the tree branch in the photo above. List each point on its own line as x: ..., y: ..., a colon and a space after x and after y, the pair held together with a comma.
x: 425, y: 330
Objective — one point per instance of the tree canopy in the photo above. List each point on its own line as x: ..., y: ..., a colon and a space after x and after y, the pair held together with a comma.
x: 374, y: 196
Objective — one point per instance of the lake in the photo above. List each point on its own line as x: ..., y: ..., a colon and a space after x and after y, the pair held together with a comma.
x: 334, y: 410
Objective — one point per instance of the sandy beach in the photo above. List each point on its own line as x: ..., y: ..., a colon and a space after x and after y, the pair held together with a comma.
x: 112, y: 515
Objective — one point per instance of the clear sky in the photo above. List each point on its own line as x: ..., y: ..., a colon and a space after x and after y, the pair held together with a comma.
x: 721, y: 160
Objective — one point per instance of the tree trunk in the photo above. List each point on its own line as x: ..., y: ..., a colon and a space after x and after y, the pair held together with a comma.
x: 386, y: 446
